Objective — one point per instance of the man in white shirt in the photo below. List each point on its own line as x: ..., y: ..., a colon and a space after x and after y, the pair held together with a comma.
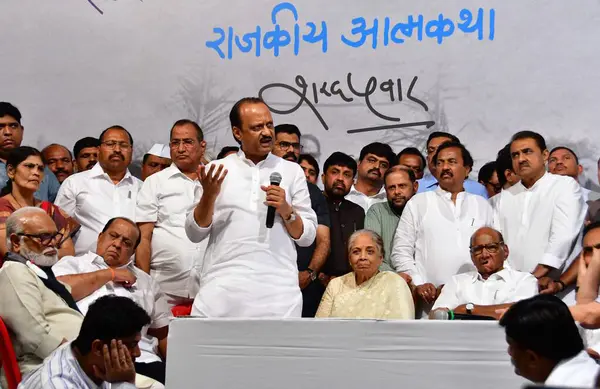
x: 103, y: 354
x: 493, y: 287
x: 564, y: 162
x: 432, y: 237
x: 250, y: 270
x: 109, y: 270
x: 165, y: 199
x: 107, y: 190
x: 156, y: 159
x: 542, y: 216
x: 545, y: 346
x: 375, y: 159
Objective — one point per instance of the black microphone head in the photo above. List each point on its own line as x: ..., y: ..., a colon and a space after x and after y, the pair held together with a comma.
x: 275, y: 178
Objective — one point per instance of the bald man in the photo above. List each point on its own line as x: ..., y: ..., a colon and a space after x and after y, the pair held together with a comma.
x: 492, y: 288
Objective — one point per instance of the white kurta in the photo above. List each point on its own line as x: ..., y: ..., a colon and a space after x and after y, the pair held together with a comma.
x: 542, y: 224
x: 503, y: 287
x: 145, y: 292
x: 366, y: 201
x: 248, y: 269
x: 165, y: 199
x: 580, y: 371
x: 92, y: 199
x: 432, y: 238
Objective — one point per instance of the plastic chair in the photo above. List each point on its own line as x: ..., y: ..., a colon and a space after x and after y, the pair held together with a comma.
x: 8, y: 359
x: 182, y: 310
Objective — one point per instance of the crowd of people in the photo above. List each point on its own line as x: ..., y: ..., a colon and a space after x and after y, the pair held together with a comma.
x: 390, y: 236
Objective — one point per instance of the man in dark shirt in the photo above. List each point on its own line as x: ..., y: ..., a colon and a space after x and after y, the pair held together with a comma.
x: 345, y: 216
x: 310, y: 259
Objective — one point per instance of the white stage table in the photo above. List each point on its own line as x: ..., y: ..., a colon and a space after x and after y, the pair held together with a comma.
x: 348, y: 354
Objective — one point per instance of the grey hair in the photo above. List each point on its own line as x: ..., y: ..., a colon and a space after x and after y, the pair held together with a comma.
x: 372, y: 234
x: 14, y: 223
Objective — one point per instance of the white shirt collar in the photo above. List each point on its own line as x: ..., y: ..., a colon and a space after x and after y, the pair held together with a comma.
x: 39, y: 272
x: 98, y: 260
x: 503, y: 274
x: 375, y: 196
x: 447, y: 195
x: 248, y: 162
x: 536, y: 184
x: 97, y: 171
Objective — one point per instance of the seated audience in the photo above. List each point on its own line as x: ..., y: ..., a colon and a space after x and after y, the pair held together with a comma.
x: 39, y: 310
x: 366, y: 292
x: 86, y: 152
x: 564, y: 162
x: 412, y: 158
x: 375, y: 159
x: 493, y: 287
x: 11, y: 136
x: 225, y: 151
x: 489, y: 178
x: 95, y: 196
x: 430, y: 181
x: 103, y: 354
x: 310, y: 166
x: 431, y: 241
x: 545, y: 346
x: 156, y: 159
x: 400, y: 186
x: 25, y: 171
x: 59, y: 160
x: 110, y: 271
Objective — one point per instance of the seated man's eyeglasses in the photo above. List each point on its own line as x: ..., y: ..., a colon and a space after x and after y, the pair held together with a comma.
x: 491, y: 248
x: 45, y: 239
x: 287, y: 145
x: 111, y: 144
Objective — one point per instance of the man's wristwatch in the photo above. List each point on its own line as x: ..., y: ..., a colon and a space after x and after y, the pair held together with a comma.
x: 292, y: 218
x: 470, y: 307
x: 312, y: 274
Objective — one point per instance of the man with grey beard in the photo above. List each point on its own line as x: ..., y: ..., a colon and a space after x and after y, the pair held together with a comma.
x: 37, y: 308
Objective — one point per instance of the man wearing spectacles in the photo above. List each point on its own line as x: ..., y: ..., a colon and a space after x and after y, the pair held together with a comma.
x: 312, y: 258
x: 36, y: 307
x: 107, y: 190
x: 491, y: 289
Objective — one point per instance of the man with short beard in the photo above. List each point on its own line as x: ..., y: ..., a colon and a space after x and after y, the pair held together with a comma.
x: 38, y: 309
x: 346, y: 217
x: 312, y: 258
x: 400, y: 185
x: 108, y: 190
x: 59, y: 160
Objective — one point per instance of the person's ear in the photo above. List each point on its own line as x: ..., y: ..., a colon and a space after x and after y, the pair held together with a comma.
x: 15, y: 241
x: 323, y: 178
x: 10, y: 172
x: 546, y: 155
x: 97, y: 348
x: 237, y: 134
x: 506, y: 251
x: 579, y: 170
x: 415, y: 187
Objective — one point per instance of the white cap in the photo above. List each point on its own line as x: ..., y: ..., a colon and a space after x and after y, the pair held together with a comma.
x: 160, y: 150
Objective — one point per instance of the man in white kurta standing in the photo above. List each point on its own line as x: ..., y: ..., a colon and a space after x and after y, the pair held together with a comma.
x: 165, y: 199
x: 432, y: 238
x: 250, y: 270
x: 542, y: 216
x: 107, y: 190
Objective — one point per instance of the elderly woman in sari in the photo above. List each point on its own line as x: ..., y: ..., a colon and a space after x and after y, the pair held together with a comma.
x: 366, y: 292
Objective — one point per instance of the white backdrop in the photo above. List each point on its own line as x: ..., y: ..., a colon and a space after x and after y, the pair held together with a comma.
x: 74, y: 67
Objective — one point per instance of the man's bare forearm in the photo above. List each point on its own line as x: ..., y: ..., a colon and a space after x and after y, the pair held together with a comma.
x: 322, y: 249
x: 82, y: 285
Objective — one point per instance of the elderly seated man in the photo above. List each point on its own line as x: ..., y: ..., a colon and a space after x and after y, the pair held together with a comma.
x: 491, y: 289
x: 110, y: 271
x: 366, y: 292
x: 38, y: 309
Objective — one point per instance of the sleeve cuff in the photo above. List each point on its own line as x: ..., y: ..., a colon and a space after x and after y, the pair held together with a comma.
x: 194, y: 232
x: 49, y: 343
x: 552, y: 261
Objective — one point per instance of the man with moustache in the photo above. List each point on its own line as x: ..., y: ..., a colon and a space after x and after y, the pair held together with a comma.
x: 564, y: 162
x: 250, y: 270
x: 542, y: 216
x: 38, y: 309
x: 86, y: 152
x: 375, y: 159
x: 492, y: 288
x: 400, y: 186
x: 430, y: 181
x: 108, y: 190
x: 156, y: 159
x: 431, y: 241
x: 312, y: 258
x: 165, y: 198
x: 59, y: 160
x: 346, y: 217
x: 11, y: 136
x: 412, y: 158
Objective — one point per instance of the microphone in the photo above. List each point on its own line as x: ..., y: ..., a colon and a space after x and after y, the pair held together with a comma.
x: 450, y: 315
x: 275, y: 179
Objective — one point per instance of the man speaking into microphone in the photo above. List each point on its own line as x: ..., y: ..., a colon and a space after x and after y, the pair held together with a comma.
x: 249, y: 269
